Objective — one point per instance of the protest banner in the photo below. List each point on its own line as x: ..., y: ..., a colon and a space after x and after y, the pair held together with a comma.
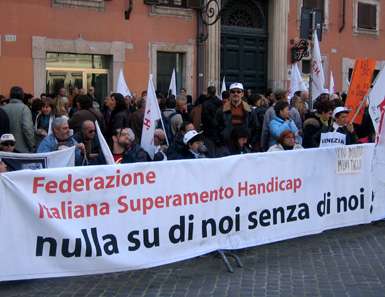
x: 98, y: 219
x: 378, y: 195
x: 359, y: 86
x: 57, y: 159
x: 332, y: 139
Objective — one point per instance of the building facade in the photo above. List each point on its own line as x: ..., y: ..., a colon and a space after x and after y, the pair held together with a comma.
x: 350, y: 29
x: 47, y: 44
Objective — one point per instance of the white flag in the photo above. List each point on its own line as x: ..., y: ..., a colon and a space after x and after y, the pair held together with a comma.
x: 121, y: 86
x: 296, y: 81
x: 104, y: 146
x: 151, y: 115
x: 331, y: 85
x: 377, y: 100
x: 317, y: 71
x: 223, y: 87
x: 172, y: 86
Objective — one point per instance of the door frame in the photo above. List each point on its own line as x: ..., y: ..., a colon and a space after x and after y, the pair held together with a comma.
x: 245, y: 32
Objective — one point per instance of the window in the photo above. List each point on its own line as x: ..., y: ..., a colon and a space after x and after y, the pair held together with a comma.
x: 166, y: 62
x: 315, y: 4
x: 174, y: 3
x: 306, y: 66
x: 366, y: 16
x: 77, y: 61
x: 92, y: 4
x: 70, y: 71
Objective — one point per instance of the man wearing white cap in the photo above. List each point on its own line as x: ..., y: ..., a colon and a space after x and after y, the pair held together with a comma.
x: 341, y: 124
x: 8, y: 143
x: 234, y: 113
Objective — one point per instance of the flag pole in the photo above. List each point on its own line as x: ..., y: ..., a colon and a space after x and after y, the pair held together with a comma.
x: 313, y: 28
x: 359, y: 109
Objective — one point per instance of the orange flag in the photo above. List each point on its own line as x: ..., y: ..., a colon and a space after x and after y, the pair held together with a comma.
x: 359, y: 86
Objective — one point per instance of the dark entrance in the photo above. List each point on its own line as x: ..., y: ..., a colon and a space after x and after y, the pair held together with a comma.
x: 244, y: 43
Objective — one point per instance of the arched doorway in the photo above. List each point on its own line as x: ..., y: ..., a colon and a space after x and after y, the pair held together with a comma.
x: 244, y: 43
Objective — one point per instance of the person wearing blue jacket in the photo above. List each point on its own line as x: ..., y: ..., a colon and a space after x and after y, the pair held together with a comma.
x: 282, y: 122
x: 61, y: 138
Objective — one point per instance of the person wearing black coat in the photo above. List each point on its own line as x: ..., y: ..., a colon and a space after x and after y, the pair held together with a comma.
x: 209, y: 111
x: 317, y: 123
x: 125, y: 149
x: 118, y: 117
x: 239, y: 141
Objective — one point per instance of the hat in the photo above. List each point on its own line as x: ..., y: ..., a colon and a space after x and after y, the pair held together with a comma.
x: 236, y: 86
x: 188, y: 137
x: 340, y: 109
x: 7, y: 137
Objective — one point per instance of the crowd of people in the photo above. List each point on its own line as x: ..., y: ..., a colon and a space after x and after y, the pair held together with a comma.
x: 237, y: 122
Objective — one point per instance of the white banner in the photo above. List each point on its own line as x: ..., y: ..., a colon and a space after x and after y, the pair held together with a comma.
x: 98, y: 219
x: 57, y: 159
x: 378, y: 174
x: 332, y: 139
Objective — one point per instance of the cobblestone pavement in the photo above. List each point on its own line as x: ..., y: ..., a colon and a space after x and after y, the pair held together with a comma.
x: 344, y: 262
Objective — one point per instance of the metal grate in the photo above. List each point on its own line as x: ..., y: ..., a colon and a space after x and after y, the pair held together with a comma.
x: 173, y: 3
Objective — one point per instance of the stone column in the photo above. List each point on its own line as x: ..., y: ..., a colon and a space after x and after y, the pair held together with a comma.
x: 118, y: 51
x: 278, y: 43
x: 213, y: 54
x: 38, y: 61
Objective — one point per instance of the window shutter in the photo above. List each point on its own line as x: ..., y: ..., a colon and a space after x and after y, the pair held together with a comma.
x: 367, y: 16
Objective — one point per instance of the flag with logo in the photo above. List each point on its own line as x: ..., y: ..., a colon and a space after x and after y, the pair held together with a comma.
x: 377, y: 101
x: 317, y: 71
x: 151, y: 115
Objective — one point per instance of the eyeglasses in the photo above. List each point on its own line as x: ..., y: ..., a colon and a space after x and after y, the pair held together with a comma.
x: 8, y: 143
x: 235, y: 91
